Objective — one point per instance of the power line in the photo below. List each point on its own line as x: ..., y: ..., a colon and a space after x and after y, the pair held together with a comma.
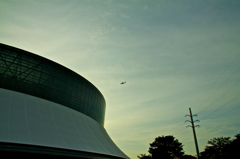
x: 236, y: 97
x: 178, y: 132
x: 228, y: 111
x: 220, y: 86
x: 233, y: 86
x: 213, y: 103
x: 177, y: 126
x: 218, y: 79
x: 217, y: 89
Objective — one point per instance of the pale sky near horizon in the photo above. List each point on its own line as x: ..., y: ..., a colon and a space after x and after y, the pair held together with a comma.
x: 173, y: 55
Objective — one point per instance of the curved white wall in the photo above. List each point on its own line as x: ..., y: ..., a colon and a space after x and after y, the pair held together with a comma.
x: 30, y: 120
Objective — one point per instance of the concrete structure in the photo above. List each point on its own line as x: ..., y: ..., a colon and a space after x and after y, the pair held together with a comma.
x: 50, y: 111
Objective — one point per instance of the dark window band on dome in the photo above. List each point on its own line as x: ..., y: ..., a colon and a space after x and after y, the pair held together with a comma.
x: 31, y: 74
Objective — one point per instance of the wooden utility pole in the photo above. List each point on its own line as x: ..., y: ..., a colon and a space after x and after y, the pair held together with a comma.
x: 193, y: 128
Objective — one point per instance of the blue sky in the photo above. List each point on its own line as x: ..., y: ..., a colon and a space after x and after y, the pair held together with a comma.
x: 174, y: 54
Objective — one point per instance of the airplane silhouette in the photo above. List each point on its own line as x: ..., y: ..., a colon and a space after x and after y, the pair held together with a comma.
x: 123, y: 82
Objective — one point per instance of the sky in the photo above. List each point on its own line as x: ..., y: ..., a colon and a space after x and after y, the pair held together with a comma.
x: 173, y: 55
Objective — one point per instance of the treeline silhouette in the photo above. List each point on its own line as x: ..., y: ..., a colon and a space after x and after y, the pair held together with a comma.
x: 167, y: 147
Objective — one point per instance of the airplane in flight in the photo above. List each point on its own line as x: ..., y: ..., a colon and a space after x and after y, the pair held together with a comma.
x: 123, y: 82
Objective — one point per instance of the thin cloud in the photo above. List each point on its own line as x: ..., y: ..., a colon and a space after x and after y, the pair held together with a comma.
x: 170, y: 54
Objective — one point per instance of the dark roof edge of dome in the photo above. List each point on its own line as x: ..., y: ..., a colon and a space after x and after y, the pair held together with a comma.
x: 27, y: 148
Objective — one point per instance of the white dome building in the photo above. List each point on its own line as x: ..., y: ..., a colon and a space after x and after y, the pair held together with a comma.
x: 47, y: 110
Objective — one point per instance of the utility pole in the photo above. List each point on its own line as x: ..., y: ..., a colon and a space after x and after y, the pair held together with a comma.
x: 193, y: 128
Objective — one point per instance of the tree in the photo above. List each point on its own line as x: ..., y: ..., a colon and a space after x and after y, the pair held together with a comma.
x: 234, y: 147
x: 218, y: 149
x: 188, y: 157
x: 144, y: 156
x: 166, y: 147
